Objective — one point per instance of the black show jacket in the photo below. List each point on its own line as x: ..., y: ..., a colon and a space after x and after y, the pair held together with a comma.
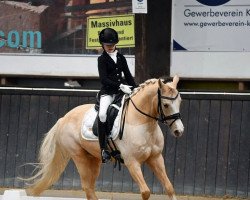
x: 110, y: 73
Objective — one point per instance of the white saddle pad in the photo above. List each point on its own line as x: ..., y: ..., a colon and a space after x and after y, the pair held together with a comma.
x: 89, y: 120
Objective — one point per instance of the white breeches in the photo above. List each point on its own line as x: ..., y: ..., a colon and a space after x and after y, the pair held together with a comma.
x: 105, y: 101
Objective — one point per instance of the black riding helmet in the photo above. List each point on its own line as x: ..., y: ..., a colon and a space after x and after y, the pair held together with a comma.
x: 108, y: 36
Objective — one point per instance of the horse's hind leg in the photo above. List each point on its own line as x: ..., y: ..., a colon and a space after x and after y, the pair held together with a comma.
x: 158, y: 167
x: 136, y: 173
x: 89, y: 169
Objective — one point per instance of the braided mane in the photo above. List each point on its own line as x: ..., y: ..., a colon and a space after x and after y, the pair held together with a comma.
x: 142, y: 85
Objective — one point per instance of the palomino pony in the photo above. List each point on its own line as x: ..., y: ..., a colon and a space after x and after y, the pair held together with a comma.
x: 142, y: 141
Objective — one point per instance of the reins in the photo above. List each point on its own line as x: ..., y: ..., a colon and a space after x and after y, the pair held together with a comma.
x: 163, y: 118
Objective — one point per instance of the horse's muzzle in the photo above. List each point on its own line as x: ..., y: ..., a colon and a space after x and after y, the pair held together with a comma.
x: 177, y: 133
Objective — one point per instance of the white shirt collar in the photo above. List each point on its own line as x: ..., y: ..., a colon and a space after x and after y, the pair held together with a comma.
x: 113, y: 55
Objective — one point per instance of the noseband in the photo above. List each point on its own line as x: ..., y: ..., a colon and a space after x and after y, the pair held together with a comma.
x: 163, y: 118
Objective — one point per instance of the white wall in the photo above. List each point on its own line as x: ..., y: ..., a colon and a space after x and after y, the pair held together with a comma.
x: 53, y: 65
x: 225, y: 65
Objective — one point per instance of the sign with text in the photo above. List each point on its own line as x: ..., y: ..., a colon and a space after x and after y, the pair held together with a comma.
x: 50, y: 32
x: 211, y: 25
x: 139, y: 6
x: 123, y: 24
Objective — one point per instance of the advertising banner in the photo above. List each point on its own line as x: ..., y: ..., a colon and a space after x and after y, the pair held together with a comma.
x: 123, y: 24
x: 211, y: 25
x: 51, y: 37
x: 61, y: 26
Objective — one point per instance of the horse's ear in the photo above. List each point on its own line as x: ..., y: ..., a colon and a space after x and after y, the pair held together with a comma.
x: 175, y: 80
x: 160, y: 83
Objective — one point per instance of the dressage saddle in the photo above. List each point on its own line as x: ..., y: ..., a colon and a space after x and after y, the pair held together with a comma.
x: 112, y: 112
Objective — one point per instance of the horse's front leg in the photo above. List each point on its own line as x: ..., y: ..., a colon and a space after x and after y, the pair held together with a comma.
x: 135, y: 170
x: 157, y: 165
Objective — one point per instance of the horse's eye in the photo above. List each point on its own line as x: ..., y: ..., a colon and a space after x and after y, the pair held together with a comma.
x: 165, y: 105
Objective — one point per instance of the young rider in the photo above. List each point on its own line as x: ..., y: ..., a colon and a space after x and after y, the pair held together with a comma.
x: 111, y: 64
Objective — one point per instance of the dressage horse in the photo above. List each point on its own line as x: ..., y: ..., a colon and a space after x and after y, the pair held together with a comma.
x: 142, y: 141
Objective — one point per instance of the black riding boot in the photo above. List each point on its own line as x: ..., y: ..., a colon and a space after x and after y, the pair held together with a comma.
x: 102, y: 134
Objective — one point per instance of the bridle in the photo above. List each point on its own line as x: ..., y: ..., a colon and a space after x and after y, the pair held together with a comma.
x: 162, y: 117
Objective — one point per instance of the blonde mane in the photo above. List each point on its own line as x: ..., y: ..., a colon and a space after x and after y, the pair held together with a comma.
x: 142, y: 85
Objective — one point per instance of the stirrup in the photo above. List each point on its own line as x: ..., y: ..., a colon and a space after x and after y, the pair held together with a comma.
x: 106, y: 157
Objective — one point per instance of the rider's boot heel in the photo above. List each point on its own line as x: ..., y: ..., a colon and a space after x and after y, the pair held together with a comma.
x: 106, y: 157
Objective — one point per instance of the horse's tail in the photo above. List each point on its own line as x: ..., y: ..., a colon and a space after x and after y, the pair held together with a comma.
x: 52, y: 162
